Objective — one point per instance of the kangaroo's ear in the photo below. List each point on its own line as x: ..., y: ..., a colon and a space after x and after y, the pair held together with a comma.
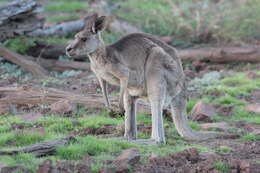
x: 101, y: 23
x: 90, y: 22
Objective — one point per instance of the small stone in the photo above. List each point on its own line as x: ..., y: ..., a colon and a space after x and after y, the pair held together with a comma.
x: 128, y: 157
x: 62, y: 107
x: 4, y: 108
x: 45, y: 167
x: 203, y: 111
x: 252, y: 75
x: 255, y: 108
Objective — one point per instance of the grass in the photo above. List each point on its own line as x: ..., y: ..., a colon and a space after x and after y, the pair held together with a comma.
x: 91, y: 145
x: 19, y: 139
x: 65, y: 6
x: 194, y: 20
x: 223, y: 167
x: 62, y: 18
x: 22, y: 44
x: 249, y: 137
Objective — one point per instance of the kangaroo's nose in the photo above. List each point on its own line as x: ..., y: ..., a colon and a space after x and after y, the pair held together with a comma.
x: 68, y: 49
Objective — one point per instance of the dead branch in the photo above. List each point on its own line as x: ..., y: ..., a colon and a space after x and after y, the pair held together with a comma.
x: 222, y: 55
x: 28, y: 65
x: 42, y: 148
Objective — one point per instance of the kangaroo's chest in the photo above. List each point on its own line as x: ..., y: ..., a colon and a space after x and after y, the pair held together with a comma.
x: 102, y: 71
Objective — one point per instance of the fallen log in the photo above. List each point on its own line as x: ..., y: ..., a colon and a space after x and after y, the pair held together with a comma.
x: 42, y: 148
x: 222, y: 55
x: 61, y: 30
x: 19, y: 18
x: 61, y: 65
x: 36, y: 96
x: 26, y: 64
x: 46, y: 50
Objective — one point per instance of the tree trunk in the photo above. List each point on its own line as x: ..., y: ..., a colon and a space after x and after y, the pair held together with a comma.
x: 28, y: 65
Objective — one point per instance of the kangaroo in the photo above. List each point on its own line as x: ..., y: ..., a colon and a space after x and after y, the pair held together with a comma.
x: 145, y: 68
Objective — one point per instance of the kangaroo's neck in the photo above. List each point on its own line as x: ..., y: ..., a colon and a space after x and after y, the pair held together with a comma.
x: 99, y: 55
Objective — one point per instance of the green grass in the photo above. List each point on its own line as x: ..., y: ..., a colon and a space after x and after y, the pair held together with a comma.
x: 223, y: 167
x: 92, y: 146
x: 19, y: 139
x: 62, y: 18
x: 22, y: 44
x: 98, y: 121
x: 249, y: 137
x: 224, y: 149
x: 65, y: 6
x: 194, y: 20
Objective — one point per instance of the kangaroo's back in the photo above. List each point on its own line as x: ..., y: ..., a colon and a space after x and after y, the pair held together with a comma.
x: 133, y: 49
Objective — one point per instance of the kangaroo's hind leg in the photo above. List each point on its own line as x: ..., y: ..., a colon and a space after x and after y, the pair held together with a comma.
x: 130, y: 116
x: 156, y: 96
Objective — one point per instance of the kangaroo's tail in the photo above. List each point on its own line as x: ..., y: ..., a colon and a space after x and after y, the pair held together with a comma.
x: 179, y: 115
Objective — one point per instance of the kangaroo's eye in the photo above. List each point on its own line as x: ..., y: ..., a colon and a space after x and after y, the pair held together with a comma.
x: 84, y: 39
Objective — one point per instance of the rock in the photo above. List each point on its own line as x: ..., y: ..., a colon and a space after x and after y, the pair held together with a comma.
x: 62, y: 107
x: 12, y: 169
x: 45, y: 167
x: 203, y: 111
x: 2, y: 165
x: 255, y: 108
x: 4, y: 108
x: 252, y: 75
x: 128, y: 157
x: 223, y: 126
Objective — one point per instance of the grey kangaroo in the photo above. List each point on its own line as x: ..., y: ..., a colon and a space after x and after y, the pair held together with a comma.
x: 145, y: 68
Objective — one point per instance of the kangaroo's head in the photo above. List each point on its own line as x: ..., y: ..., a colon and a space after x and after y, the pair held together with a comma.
x: 88, y: 40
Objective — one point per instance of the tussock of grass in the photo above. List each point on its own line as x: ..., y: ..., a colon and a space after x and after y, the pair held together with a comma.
x: 249, y: 137
x: 223, y: 167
